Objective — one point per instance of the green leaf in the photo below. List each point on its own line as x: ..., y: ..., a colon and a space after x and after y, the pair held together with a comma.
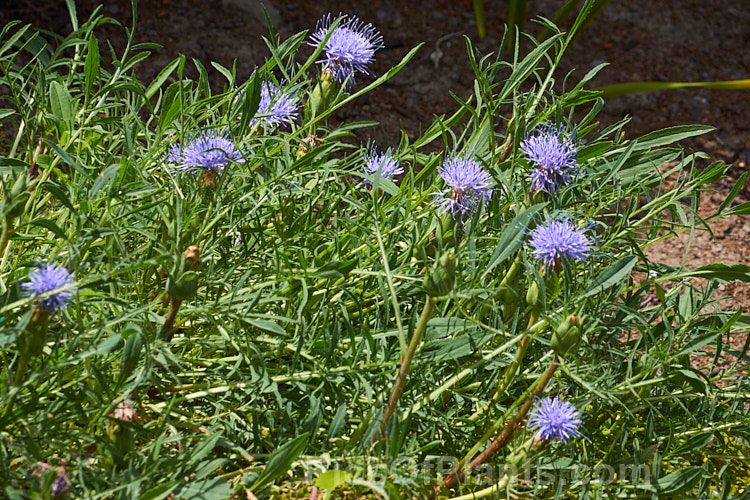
x: 732, y: 194
x: 173, y: 102
x: 512, y: 237
x: 104, y: 347
x: 268, y: 326
x: 207, y: 489
x: 677, y: 482
x: 51, y: 226
x: 335, y: 269
x: 692, y: 347
x: 4, y: 113
x: 91, y: 66
x: 12, y: 165
x: 156, y: 84
x: 741, y: 209
x: 131, y: 353
x: 60, y: 102
x: 670, y: 135
x: 694, y: 443
x: 280, y: 461
x: 338, y: 421
x: 611, y: 275
x: 58, y: 193
x: 720, y: 272
x: 159, y: 492
x: 331, y: 479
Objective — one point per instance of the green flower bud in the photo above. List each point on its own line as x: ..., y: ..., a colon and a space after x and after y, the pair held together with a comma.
x: 440, y: 279
x: 16, y: 199
x: 567, y: 336
x: 34, y: 338
x: 183, y: 281
x: 447, y: 228
x: 532, y: 294
x: 184, y: 287
x: 20, y: 186
x: 323, y: 94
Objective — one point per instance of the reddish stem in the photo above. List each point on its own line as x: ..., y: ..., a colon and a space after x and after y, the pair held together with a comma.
x: 455, y: 477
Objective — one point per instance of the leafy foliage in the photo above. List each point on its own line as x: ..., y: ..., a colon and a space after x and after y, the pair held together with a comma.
x: 241, y: 331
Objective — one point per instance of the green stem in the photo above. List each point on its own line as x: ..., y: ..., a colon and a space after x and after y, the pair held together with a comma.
x: 7, y: 233
x: 398, y: 385
x: 510, y: 370
x: 23, y: 363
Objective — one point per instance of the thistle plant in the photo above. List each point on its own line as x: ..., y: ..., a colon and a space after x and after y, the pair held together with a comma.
x: 559, y: 241
x: 555, y: 418
x: 468, y: 186
x: 207, y: 151
x: 381, y: 164
x: 48, y: 278
x: 552, y: 156
x: 277, y: 330
x: 349, y: 47
x: 276, y: 107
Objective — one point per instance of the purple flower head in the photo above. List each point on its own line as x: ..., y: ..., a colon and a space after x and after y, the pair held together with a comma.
x: 208, y: 151
x: 558, y: 240
x: 60, y: 487
x: 385, y: 163
x: 46, y: 278
x: 555, y: 418
x: 276, y: 107
x: 351, y: 46
x: 553, y: 157
x: 469, y: 185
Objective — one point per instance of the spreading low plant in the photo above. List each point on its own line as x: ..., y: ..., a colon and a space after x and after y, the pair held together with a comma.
x: 214, y: 295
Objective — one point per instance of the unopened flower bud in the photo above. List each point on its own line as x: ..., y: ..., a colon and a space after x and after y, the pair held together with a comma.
x: 308, y: 143
x: 193, y: 257
x: 440, y: 279
x: 532, y: 294
x: 323, y: 93
x: 19, y: 186
x: 184, y: 287
x: 34, y: 338
x: 124, y: 412
x: 183, y: 281
x: 208, y: 179
x: 567, y: 336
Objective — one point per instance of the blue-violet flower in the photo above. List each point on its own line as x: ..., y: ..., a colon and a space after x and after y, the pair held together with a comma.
x: 557, y: 240
x: 60, y: 487
x: 553, y: 157
x: 209, y: 151
x: 385, y: 163
x: 469, y: 185
x: 276, y: 107
x: 351, y: 46
x: 554, y: 418
x: 46, y: 278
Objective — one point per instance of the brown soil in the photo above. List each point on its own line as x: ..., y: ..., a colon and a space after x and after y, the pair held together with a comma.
x: 668, y: 40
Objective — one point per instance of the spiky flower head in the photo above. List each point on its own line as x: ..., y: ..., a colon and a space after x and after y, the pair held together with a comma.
x: 207, y: 150
x: 60, y: 488
x: 351, y: 46
x: 276, y: 107
x: 555, y: 418
x: 553, y: 157
x: 385, y: 163
x: 468, y: 185
x: 559, y: 240
x: 46, y: 278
